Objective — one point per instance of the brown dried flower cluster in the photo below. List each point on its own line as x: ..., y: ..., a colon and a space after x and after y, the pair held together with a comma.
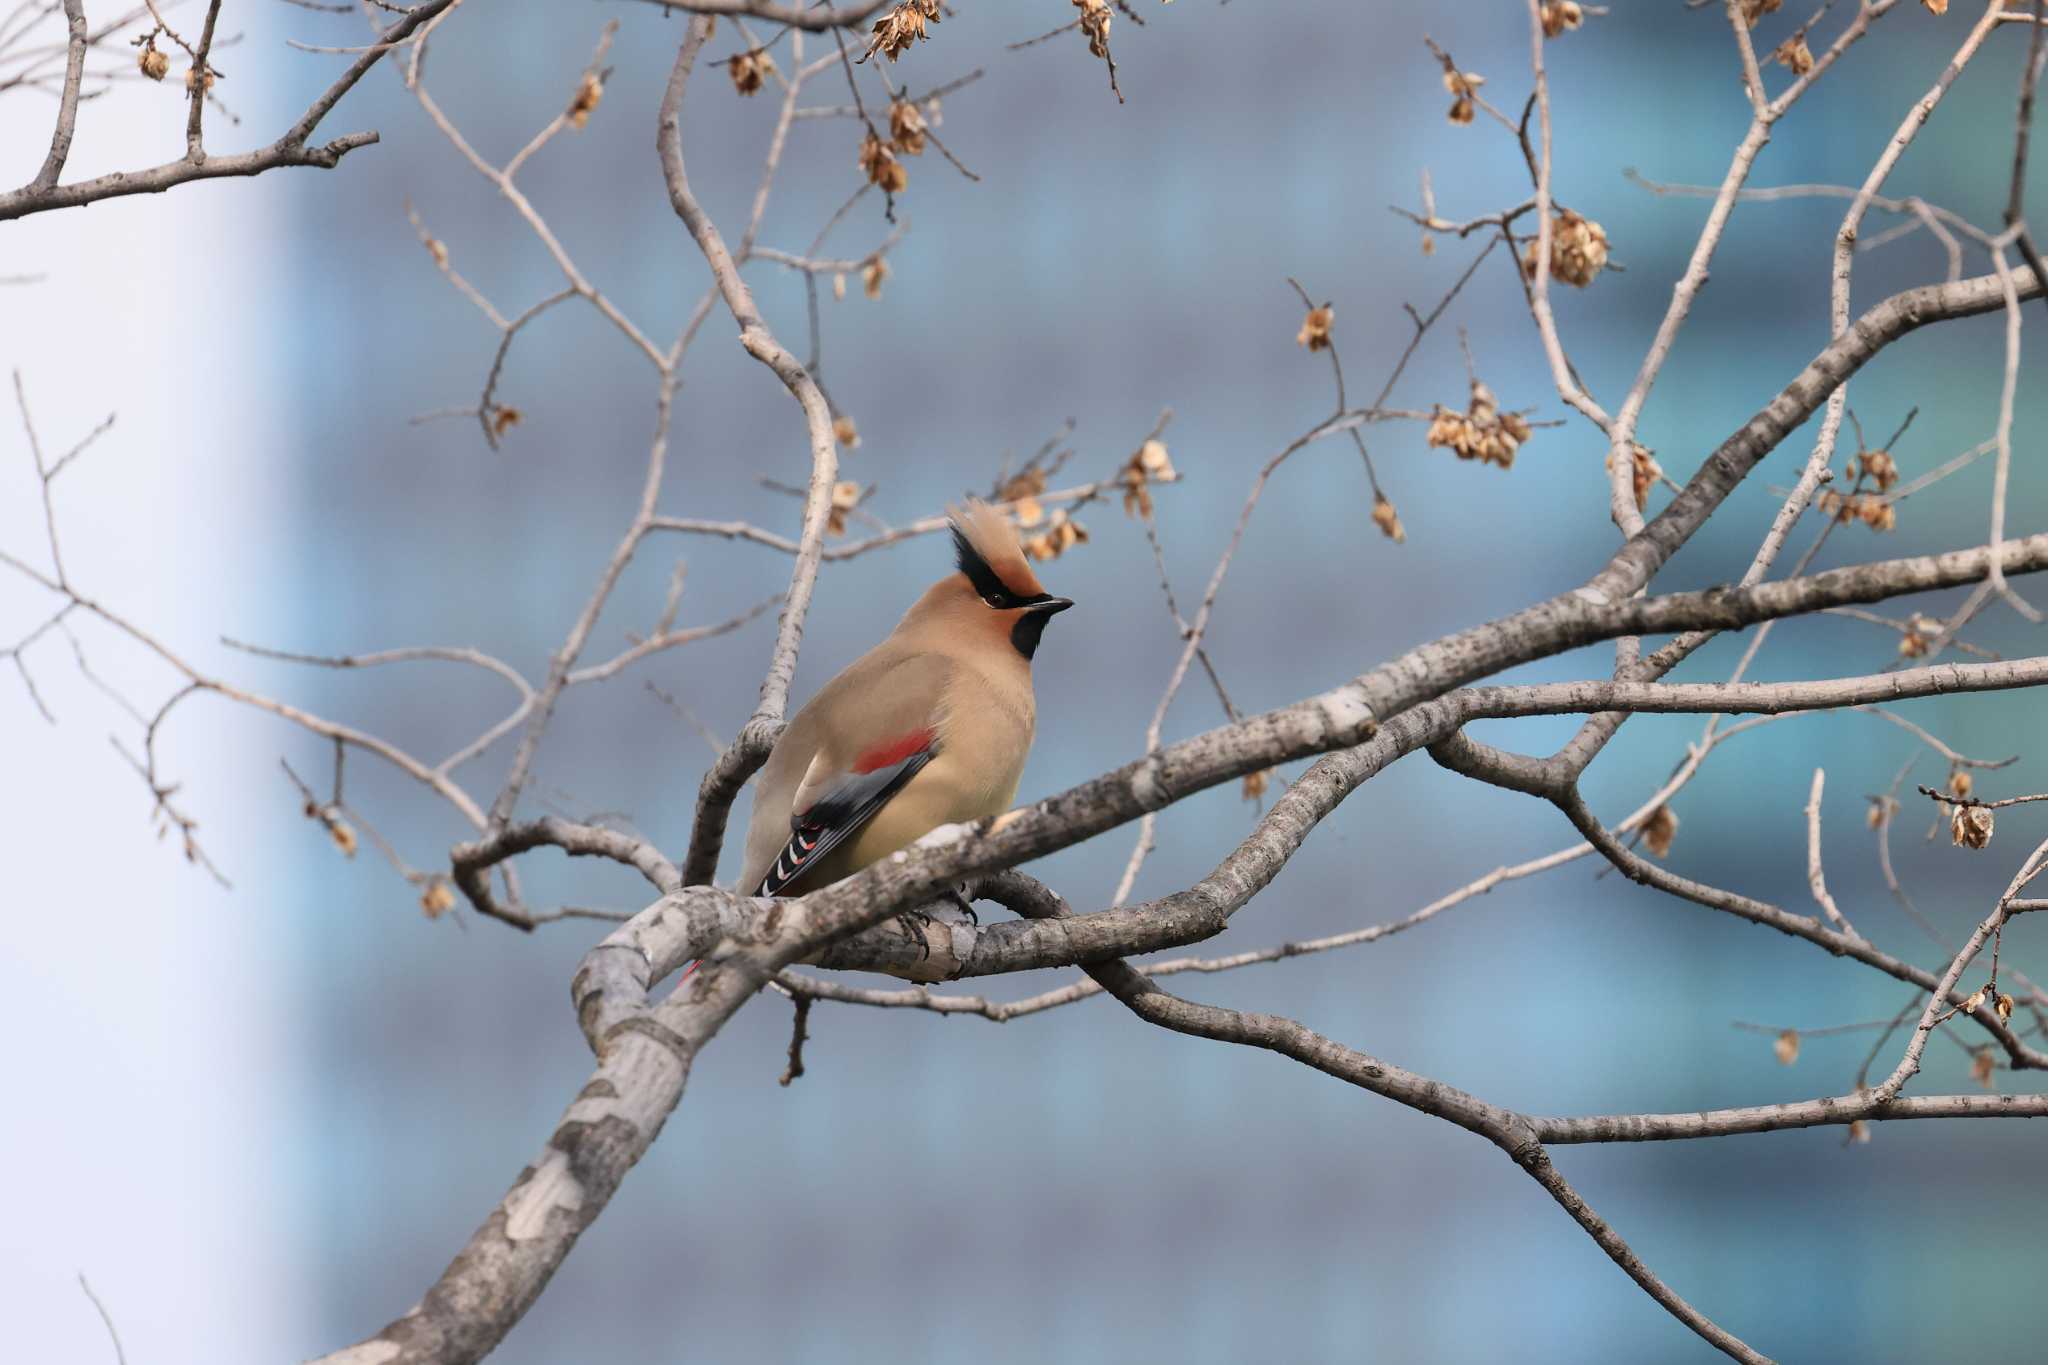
x: 1151, y: 464
x: 1658, y: 832
x: 192, y: 78
x: 844, y: 431
x: 1753, y: 10
x: 438, y: 899
x: 1960, y: 783
x: 1644, y: 475
x: 1984, y: 1067
x: 1794, y: 54
x: 1785, y: 1047
x: 1868, y: 508
x: 1482, y: 432
x: 589, y: 94
x: 846, y: 496
x: 1560, y: 16
x: 1464, y: 88
x: 1876, y: 466
x: 1578, y: 250
x: 1315, y: 328
x: 1921, y: 632
x: 1095, y: 23
x: 749, y: 69
x: 1061, y: 533
x: 339, y: 830
x: 1022, y: 490
x: 872, y: 272
x: 1970, y: 826
x: 1255, y: 784
x: 153, y: 64
x: 881, y: 165
x: 1387, y: 519
x: 906, y: 128
x: 900, y: 27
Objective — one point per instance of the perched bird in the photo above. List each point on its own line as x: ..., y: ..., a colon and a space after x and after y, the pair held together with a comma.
x: 929, y: 727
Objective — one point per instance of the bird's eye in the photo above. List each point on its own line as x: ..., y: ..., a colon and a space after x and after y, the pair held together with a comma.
x: 993, y: 601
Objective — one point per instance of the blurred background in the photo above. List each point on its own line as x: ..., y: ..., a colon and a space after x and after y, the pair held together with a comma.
x: 261, y: 1119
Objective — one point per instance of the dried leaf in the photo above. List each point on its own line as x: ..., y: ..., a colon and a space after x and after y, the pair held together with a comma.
x: 871, y: 276
x: 1578, y: 250
x: 1315, y: 328
x: 1795, y: 54
x: 895, y: 31
x: 438, y: 899
x: 1879, y: 467
x: 749, y: 69
x: 1255, y: 784
x: 1984, y: 1068
x: 845, y: 497
x: 1095, y: 18
x: 1560, y: 16
x: 589, y: 94
x: 906, y: 128
x: 503, y: 419
x: 1150, y: 464
x: 1387, y: 519
x: 844, y: 432
x: 1061, y: 534
x: 1786, y: 1048
x: 1859, y: 1131
x: 344, y: 837
x: 1970, y: 827
x: 1659, y: 830
x: 1643, y: 477
x: 2003, y: 1005
x: 882, y: 168
x: 153, y: 63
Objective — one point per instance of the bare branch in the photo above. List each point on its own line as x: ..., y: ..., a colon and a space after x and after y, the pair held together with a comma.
x: 290, y: 149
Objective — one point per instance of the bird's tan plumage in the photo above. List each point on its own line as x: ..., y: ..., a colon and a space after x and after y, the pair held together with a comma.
x: 951, y: 680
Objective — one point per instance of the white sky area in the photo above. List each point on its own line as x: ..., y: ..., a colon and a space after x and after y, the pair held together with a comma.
x: 139, y: 1000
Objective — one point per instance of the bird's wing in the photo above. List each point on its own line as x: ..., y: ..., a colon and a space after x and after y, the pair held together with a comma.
x: 845, y: 802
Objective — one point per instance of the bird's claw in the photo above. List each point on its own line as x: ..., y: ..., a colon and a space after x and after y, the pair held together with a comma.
x: 914, y: 924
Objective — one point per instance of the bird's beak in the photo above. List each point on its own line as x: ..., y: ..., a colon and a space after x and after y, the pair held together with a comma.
x: 1052, y: 606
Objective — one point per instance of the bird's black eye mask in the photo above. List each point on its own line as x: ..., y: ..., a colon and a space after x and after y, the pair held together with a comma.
x: 987, y: 585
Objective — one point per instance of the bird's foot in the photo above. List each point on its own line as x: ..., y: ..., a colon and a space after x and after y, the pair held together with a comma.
x: 915, y: 925
x: 958, y: 895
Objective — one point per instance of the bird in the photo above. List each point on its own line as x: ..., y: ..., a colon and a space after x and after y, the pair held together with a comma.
x: 930, y: 727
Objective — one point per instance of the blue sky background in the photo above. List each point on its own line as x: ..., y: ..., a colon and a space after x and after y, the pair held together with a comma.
x: 269, y: 1116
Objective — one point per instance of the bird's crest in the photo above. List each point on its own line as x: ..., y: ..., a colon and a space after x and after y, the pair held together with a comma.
x: 990, y: 555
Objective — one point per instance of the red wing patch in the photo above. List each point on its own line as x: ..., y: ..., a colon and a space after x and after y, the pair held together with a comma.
x: 894, y: 751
